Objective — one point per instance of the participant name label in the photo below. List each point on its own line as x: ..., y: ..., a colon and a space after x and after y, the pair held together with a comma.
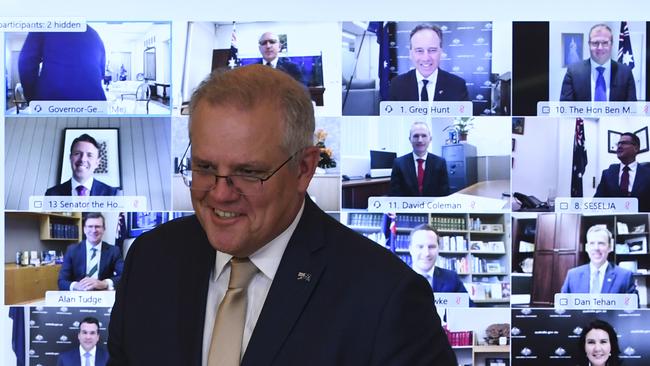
x: 80, y: 298
x: 451, y: 300
x: 435, y: 109
x: 596, y: 301
x: 592, y: 109
x: 92, y: 203
x: 42, y: 24
x: 453, y: 203
x: 597, y: 205
x: 67, y: 107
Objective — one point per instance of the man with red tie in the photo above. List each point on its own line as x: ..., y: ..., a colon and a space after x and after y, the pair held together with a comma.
x: 84, y: 159
x: 629, y: 178
x: 419, y: 173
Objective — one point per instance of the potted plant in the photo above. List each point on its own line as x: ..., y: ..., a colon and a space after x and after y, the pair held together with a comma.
x: 461, y: 125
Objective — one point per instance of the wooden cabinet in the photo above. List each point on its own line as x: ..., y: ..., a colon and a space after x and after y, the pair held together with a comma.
x: 26, y: 284
x: 556, y: 251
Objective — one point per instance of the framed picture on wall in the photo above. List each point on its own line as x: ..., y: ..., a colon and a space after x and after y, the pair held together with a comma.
x: 108, y: 169
x: 518, y: 125
x: 572, y: 44
x: 612, y: 141
x: 642, y: 134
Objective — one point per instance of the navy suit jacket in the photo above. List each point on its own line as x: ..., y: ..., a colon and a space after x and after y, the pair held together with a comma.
x: 65, y: 189
x: 609, y: 185
x: 445, y: 280
x: 73, y: 358
x: 576, y: 86
x: 361, y: 305
x: 74, y: 264
x: 71, y: 66
x: 449, y: 88
x: 289, y: 67
x: 617, y: 280
x: 404, y: 181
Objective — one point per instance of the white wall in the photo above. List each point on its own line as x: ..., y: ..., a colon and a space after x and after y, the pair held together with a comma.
x: 501, y: 47
x: 556, y: 71
x: 536, y: 158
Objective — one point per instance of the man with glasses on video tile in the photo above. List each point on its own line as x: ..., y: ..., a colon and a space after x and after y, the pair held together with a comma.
x: 599, y: 78
x: 262, y: 276
x: 599, y: 276
x: 270, y: 46
x: 629, y: 178
x: 427, y: 82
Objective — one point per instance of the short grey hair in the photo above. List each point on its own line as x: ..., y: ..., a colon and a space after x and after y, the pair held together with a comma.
x: 248, y: 86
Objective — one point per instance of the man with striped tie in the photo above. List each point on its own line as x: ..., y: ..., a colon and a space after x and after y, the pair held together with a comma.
x: 91, y: 264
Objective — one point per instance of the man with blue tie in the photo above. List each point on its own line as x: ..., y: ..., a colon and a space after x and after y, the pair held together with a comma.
x: 629, y: 178
x: 91, y: 264
x: 424, y: 247
x: 599, y: 276
x: 599, y: 78
x: 88, y: 353
x: 84, y: 159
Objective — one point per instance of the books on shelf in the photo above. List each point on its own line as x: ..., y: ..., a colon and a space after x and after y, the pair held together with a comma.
x: 448, y: 223
x: 459, y: 338
x: 456, y: 243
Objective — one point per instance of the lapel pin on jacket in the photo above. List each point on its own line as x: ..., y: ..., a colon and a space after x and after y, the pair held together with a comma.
x: 302, y: 276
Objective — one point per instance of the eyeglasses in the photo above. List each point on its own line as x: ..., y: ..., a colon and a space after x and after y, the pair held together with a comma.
x: 270, y: 41
x: 603, y: 44
x: 199, y: 179
x: 623, y: 143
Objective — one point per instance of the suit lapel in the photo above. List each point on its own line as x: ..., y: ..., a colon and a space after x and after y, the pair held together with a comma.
x: 414, y: 92
x: 412, y: 175
x: 608, y: 280
x: 639, y: 179
x: 298, y: 274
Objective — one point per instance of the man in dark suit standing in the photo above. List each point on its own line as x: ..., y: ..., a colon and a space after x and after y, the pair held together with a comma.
x: 599, y: 78
x: 599, y: 276
x: 629, y: 178
x: 419, y: 173
x: 424, y: 248
x: 270, y: 46
x: 88, y: 352
x: 91, y: 264
x: 427, y: 82
x: 261, y: 276
x: 84, y: 158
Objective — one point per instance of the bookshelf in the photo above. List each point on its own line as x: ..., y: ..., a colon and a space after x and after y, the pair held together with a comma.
x: 64, y: 227
x: 475, y: 246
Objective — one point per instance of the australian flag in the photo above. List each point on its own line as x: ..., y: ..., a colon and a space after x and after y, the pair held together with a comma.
x: 17, y: 313
x: 389, y: 227
x: 233, y: 59
x: 579, y: 158
x: 625, y: 47
x: 387, y: 54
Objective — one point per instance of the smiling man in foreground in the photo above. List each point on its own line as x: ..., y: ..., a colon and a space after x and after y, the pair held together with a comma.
x: 261, y: 276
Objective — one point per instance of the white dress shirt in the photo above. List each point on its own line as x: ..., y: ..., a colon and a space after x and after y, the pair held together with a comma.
x: 75, y: 184
x: 266, y: 259
x: 601, y: 276
x: 93, y: 353
x: 607, y: 74
x: 431, y: 86
x: 632, y: 173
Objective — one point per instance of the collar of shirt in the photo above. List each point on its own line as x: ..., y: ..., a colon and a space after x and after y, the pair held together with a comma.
x: 415, y: 161
x: 429, y: 273
x: 75, y: 184
x: 90, y: 245
x: 431, y: 86
x: 274, y: 62
x: 606, y: 75
x: 92, y: 352
x: 631, y: 173
x: 601, y: 270
x: 267, y: 258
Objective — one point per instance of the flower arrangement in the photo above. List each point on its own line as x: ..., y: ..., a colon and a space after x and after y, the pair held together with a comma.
x: 326, y: 154
x: 461, y: 125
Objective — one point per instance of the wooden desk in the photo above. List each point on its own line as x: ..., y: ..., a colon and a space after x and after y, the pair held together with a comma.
x: 489, y: 189
x: 26, y: 284
x: 356, y: 192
